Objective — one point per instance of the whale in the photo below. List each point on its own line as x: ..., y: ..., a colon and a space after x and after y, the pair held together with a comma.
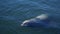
x: 43, y: 21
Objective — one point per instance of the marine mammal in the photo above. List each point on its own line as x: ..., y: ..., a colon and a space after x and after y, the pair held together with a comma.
x: 43, y: 20
x: 36, y: 22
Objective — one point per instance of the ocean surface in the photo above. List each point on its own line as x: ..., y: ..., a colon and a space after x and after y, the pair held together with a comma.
x: 14, y: 12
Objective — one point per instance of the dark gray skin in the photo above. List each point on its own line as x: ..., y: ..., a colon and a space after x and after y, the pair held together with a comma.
x: 37, y: 23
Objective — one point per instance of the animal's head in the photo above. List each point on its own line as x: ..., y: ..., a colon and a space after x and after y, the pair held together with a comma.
x: 25, y: 23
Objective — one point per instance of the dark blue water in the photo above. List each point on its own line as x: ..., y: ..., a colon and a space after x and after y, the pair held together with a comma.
x: 14, y: 12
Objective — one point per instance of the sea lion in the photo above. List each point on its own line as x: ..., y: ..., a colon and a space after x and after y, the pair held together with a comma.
x: 41, y: 20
